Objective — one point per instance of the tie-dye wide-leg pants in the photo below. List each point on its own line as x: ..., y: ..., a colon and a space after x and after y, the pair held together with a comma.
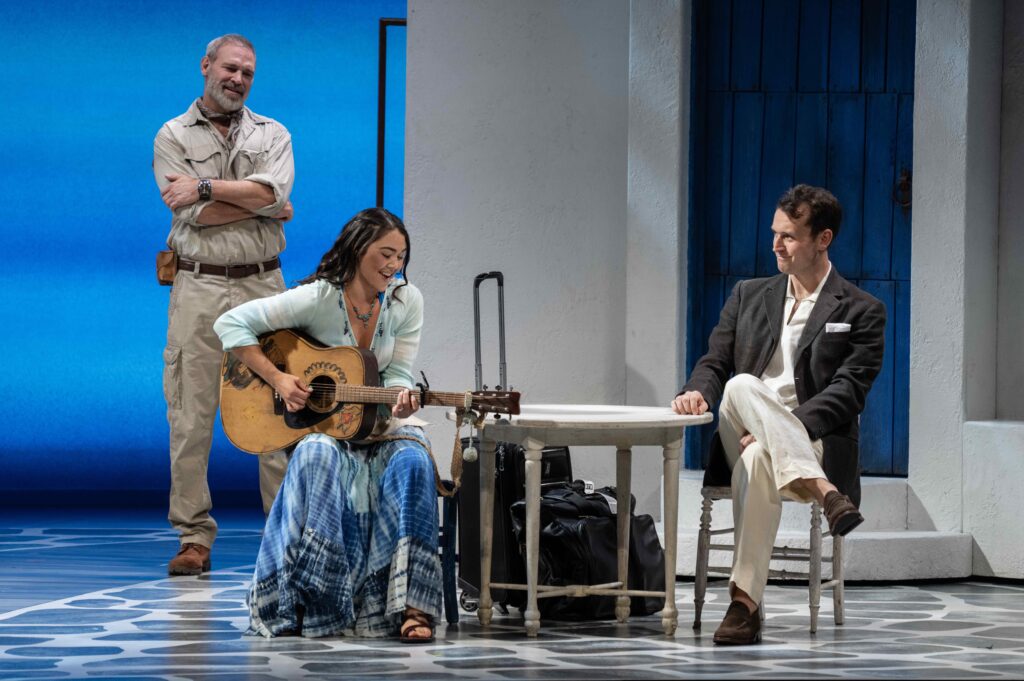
x: 352, y: 538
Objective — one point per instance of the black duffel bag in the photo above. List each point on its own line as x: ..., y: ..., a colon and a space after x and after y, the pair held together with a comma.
x: 578, y: 545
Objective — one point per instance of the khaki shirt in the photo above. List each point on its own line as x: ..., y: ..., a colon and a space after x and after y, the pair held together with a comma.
x: 262, y: 152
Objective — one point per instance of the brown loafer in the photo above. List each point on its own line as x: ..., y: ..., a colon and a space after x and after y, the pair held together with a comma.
x: 842, y: 515
x: 740, y: 626
x: 192, y: 559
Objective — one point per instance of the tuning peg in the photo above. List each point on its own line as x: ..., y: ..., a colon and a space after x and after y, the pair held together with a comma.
x: 497, y: 387
x: 485, y: 386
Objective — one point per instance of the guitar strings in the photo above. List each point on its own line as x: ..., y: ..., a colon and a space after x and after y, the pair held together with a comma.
x: 370, y: 394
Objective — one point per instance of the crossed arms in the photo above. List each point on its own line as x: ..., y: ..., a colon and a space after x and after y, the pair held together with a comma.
x: 264, y: 193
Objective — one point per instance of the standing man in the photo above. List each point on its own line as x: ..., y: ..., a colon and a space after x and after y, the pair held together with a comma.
x: 802, y: 349
x: 226, y: 174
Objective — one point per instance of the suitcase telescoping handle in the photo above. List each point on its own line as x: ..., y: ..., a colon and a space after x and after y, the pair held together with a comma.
x: 480, y: 278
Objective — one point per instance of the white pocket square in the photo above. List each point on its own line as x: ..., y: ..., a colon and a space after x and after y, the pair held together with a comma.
x: 836, y: 327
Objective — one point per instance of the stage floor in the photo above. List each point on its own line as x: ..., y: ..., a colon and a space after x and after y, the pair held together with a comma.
x: 85, y: 595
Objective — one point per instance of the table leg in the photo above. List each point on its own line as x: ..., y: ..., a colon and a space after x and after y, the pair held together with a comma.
x: 670, y: 615
x: 533, y: 470
x: 488, y: 454
x: 623, y: 471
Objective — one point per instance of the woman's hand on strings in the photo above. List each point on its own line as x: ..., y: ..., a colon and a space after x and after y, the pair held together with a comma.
x: 292, y: 391
x: 408, y: 403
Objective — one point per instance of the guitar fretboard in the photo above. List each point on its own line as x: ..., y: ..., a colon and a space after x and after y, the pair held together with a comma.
x: 374, y: 395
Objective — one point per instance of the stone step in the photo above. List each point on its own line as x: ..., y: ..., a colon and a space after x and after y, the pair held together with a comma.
x: 869, y: 556
x: 881, y: 549
x: 883, y: 504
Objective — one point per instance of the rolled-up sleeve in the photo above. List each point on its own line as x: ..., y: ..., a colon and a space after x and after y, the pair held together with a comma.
x: 398, y: 374
x: 276, y: 169
x: 169, y: 159
x: 291, y: 309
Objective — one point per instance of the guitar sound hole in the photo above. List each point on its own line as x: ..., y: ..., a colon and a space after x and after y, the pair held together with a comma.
x: 322, y: 399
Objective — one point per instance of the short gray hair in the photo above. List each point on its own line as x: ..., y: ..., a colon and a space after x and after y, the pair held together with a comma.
x: 217, y: 43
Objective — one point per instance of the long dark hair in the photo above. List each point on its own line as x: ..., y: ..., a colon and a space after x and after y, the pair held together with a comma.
x: 340, y: 263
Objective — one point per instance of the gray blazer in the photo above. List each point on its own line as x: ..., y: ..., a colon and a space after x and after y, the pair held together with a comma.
x: 832, y: 373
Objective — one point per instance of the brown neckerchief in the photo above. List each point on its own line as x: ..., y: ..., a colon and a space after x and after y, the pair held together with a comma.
x: 231, y: 120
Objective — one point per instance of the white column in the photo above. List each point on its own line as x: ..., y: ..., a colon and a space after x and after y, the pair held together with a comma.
x: 953, y: 282
x: 656, y: 218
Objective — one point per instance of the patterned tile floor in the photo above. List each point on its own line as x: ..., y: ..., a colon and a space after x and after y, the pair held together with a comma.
x: 83, y: 596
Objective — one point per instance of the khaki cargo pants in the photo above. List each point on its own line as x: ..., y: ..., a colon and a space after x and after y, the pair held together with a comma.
x: 192, y: 361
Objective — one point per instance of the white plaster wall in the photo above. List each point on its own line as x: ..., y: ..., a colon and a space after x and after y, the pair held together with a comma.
x: 516, y: 160
x: 962, y: 474
x: 937, y: 274
x: 994, y: 450
x: 991, y: 497
x: 1010, y: 395
x: 981, y: 236
x: 656, y: 205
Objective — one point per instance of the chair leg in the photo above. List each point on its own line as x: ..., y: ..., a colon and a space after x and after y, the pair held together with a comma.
x: 814, y: 566
x: 838, y: 591
x: 700, y: 580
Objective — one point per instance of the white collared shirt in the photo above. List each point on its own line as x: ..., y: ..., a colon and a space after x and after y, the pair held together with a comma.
x: 778, y: 375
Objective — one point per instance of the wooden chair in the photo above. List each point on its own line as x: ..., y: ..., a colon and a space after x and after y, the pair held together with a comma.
x: 812, y: 556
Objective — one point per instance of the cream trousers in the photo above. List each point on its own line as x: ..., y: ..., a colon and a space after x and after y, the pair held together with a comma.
x: 762, y: 473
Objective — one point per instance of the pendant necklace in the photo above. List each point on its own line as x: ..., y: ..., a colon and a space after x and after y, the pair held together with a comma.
x: 364, y: 318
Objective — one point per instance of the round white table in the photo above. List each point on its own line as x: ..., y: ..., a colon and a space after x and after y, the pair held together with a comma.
x: 541, y: 425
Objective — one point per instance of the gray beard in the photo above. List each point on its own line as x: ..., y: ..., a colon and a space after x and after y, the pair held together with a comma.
x: 216, y: 93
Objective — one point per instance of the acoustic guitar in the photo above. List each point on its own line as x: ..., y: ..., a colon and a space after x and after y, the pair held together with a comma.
x: 346, y: 390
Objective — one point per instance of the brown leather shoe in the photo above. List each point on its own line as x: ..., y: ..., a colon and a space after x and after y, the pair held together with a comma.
x: 740, y: 626
x: 842, y: 515
x: 192, y: 559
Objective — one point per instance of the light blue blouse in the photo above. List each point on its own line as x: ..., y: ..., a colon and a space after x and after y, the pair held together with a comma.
x: 319, y: 310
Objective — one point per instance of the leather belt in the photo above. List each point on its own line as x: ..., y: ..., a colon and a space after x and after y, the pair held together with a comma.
x: 230, y: 271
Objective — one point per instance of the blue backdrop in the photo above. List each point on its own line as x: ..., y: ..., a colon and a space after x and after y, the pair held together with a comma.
x: 86, y: 86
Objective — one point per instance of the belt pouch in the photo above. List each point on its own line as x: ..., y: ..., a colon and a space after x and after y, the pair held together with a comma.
x: 166, y: 267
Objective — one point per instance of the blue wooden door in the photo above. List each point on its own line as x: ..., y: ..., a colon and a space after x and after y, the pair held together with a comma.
x: 818, y: 92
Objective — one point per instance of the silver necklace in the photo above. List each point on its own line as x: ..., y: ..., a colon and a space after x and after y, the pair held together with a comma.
x: 364, y: 318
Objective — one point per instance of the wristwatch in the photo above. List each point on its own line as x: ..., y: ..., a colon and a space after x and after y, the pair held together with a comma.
x: 205, y: 189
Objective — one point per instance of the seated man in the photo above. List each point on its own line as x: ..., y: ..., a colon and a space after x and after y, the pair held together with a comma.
x: 802, y: 349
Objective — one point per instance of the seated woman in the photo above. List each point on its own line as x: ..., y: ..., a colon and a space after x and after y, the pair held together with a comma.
x: 350, y: 545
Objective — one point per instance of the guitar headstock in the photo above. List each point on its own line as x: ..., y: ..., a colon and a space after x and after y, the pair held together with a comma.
x: 496, y: 401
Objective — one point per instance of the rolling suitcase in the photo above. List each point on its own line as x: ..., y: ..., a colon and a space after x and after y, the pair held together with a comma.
x: 507, y: 564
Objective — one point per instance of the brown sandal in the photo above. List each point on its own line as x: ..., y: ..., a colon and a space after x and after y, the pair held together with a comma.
x: 413, y: 621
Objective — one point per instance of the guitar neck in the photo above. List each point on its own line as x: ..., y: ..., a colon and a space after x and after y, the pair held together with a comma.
x: 375, y: 395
